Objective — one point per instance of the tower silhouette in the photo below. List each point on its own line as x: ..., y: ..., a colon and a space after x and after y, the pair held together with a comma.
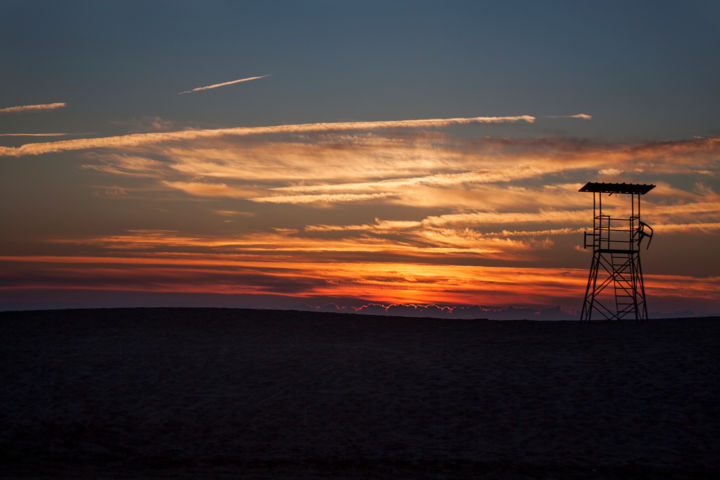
x: 615, y: 287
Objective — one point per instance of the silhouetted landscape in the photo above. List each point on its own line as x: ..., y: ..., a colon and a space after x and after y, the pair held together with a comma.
x: 288, y: 394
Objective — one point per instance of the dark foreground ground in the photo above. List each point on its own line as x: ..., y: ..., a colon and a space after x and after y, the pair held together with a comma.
x: 264, y: 394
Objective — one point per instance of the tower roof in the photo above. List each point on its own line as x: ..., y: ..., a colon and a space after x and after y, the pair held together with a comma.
x: 599, y: 187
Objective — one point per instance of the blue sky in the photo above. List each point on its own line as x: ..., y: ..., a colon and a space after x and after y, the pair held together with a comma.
x: 638, y: 66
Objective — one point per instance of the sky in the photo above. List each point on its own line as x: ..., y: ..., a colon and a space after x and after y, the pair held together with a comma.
x: 374, y: 157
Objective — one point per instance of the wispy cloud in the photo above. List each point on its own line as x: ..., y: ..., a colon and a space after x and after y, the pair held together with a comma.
x: 259, y: 245
x: 233, y: 213
x: 223, y: 84
x: 129, y: 165
x: 399, y: 282
x: 140, y: 139
x: 146, y: 123
x: 487, y: 184
x: 33, y: 134
x: 203, y: 189
x: 580, y: 116
x: 31, y: 108
x: 369, y: 281
x: 369, y: 163
x: 322, y: 198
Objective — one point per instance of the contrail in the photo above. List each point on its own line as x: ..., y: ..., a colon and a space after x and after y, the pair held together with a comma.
x: 28, y: 108
x: 581, y: 116
x: 32, y: 134
x: 138, y: 139
x: 224, y: 84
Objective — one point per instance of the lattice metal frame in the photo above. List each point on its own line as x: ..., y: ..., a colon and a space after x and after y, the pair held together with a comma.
x: 615, y: 288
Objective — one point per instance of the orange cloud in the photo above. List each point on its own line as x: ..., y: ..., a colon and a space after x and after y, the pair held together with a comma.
x: 140, y: 139
x: 581, y: 116
x: 418, y: 170
x: 422, y: 244
x: 33, y: 108
x: 129, y: 165
x: 204, y: 189
x: 322, y: 198
x: 384, y: 282
x: 233, y: 213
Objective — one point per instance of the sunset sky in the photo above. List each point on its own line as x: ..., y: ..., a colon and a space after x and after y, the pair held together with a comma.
x: 352, y: 156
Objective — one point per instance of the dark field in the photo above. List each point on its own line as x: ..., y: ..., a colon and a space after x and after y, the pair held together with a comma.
x: 278, y: 394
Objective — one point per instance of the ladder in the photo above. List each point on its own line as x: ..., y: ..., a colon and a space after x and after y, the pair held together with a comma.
x: 623, y: 277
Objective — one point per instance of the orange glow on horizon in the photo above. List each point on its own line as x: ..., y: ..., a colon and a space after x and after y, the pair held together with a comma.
x: 384, y: 283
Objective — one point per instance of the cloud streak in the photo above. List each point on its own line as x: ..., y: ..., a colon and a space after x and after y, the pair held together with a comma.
x: 223, y: 84
x: 579, y: 116
x: 140, y: 139
x: 323, y: 198
x: 483, y: 183
x: 415, y: 283
x: 33, y: 108
x: 33, y: 134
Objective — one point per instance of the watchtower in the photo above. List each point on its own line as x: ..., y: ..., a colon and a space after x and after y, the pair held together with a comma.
x: 615, y: 286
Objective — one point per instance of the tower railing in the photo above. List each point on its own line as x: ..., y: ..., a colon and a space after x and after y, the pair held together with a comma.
x: 613, y: 233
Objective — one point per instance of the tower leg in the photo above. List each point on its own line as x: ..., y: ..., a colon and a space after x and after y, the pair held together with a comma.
x: 588, y: 303
x: 642, y: 312
x: 634, y: 283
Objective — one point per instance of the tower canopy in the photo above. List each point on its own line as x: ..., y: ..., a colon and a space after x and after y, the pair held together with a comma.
x: 599, y: 187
